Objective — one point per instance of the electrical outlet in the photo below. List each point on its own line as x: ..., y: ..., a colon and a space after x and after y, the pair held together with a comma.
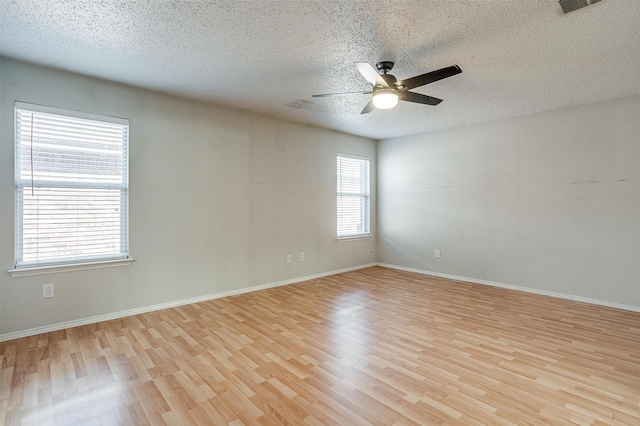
x: 437, y: 253
x: 47, y: 291
x: 289, y: 258
x: 301, y: 256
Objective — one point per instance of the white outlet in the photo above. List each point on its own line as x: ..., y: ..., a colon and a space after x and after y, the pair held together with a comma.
x: 437, y: 253
x: 301, y: 256
x: 47, y: 291
x: 289, y: 258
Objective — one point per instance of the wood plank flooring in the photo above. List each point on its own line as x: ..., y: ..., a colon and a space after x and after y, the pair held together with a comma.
x: 376, y: 346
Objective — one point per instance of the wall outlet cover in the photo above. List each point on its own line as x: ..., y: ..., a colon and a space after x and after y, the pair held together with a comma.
x: 47, y: 291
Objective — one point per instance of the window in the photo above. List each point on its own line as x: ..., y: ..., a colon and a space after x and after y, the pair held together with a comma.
x: 353, y: 197
x: 72, y: 185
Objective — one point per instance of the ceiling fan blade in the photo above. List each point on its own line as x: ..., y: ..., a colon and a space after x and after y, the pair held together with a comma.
x: 418, y: 98
x: 430, y: 77
x: 369, y: 107
x: 370, y: 74
x: 339, y: 94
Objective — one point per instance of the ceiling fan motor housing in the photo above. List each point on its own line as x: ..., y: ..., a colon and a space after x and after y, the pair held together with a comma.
x: 381, y: 90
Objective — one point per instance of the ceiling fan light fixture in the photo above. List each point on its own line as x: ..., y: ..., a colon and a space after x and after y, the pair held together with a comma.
x: 385, y: 99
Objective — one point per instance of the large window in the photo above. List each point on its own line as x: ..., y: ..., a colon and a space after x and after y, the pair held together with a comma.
x: 72, y: 185
x: 353, y: 197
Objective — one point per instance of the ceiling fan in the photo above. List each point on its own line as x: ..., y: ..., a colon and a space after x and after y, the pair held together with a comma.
x: 387, y: 90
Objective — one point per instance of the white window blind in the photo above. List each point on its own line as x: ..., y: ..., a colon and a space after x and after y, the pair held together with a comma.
x: 353, y: 197
x: 72, y: 184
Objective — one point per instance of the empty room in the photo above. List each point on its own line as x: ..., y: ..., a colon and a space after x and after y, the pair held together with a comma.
x: 283, y: 212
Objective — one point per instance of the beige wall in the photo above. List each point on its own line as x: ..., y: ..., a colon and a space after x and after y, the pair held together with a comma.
x: 217, y: 200
x: 549, y: 201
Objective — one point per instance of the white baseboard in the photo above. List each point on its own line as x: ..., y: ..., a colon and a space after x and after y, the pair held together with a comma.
x: 518, y: 288
x: 121, y: 314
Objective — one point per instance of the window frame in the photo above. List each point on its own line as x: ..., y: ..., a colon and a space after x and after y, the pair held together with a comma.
x: 366, y: 196
x: 69, y: 263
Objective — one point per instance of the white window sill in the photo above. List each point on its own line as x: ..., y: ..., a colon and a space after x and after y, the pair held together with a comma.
x: 355, y: 237
x: 54, y: 269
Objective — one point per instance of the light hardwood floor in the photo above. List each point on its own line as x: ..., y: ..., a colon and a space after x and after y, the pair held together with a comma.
x: 376, y: 346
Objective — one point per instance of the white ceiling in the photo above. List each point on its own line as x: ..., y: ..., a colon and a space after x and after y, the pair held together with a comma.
x: 517, y: 57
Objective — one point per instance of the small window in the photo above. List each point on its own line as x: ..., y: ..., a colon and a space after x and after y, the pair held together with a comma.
x: 72, y: 187
x: 353, y: 197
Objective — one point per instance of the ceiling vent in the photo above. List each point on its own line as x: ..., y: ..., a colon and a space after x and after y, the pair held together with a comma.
x: 567, y: 6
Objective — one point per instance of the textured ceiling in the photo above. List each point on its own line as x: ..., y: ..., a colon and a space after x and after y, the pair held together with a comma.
x: 517, y: 57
